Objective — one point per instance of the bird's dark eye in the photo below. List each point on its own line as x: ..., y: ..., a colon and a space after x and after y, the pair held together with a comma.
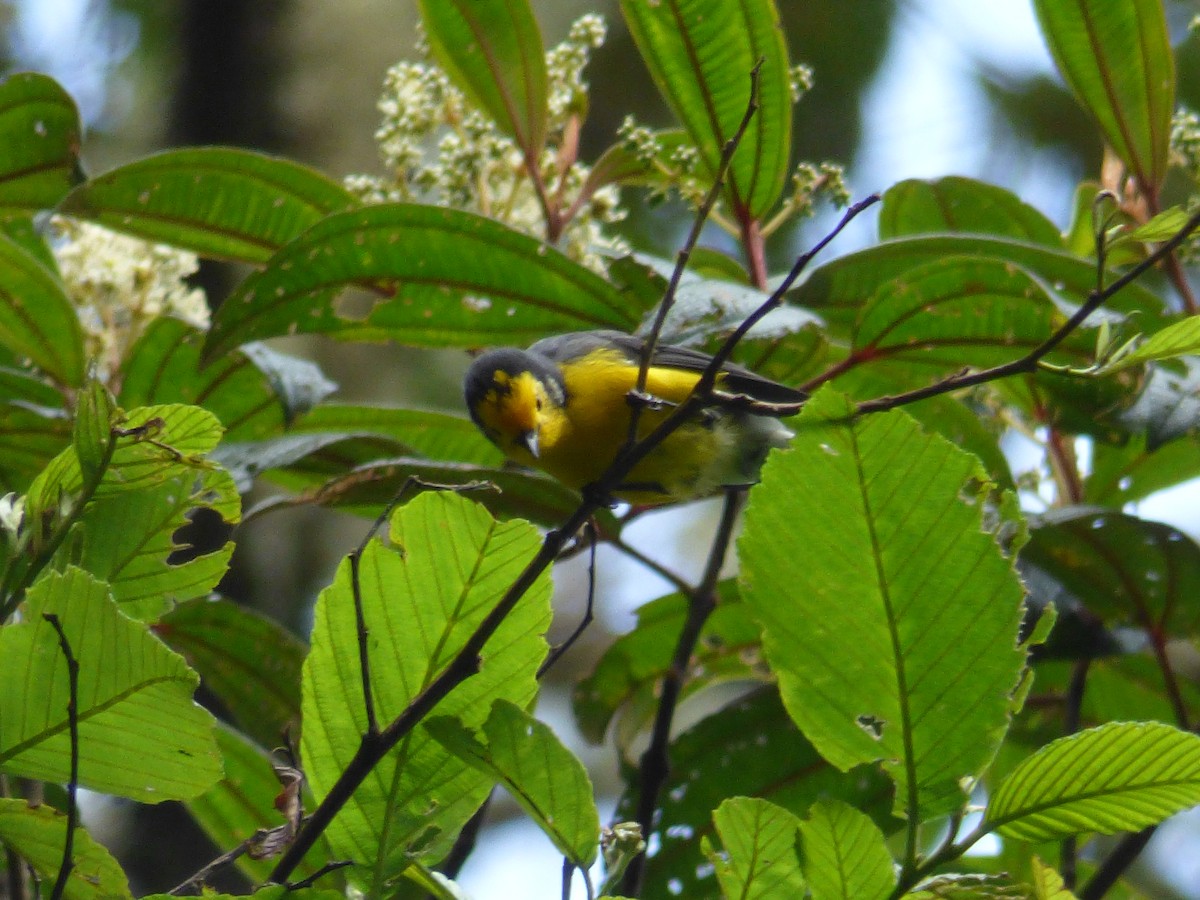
x: 539, y: 404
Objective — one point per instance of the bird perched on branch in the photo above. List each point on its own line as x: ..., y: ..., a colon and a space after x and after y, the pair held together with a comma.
x: 564, y: 406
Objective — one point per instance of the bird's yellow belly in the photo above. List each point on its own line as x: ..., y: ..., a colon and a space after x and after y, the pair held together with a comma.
x: 578, y: 445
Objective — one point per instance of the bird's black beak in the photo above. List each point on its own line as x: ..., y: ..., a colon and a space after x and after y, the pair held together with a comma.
x: 529, y: 440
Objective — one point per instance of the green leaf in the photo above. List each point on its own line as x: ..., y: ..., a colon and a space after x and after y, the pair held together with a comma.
x: 36, y: 318
x: 92, y: 439
x: 224, y: 643
x: 1178, y: 339
x: 421, y: 604
x: 953, y: 203
x: 759, y: 859
x: 955, y: 312
x: 457, y: 279
x: 492, y: 49
x: 39, y: 143
x: 505, y: 492
x: 29, y: 439
x: 1117, y: 59
x: 748, y: 748
x: 1125, y: 570
x: 164, y: 367
x: 543, y: 776
x: 432, y: 434
x: 1140, y: 468
x: 1122, y: 776
x: 700, y: 54
x: 838, y: 289
x: 37, y: 834
x: 1048, y: 884
x: 908, y: 570
x: 626, y: 678
x: 843, y: 854
x: 140, y: 734
x: 217, y: 201
x: 154, y: 477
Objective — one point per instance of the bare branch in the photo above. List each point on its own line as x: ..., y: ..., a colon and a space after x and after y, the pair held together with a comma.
x: 685, y: 252
x: 68, y: 860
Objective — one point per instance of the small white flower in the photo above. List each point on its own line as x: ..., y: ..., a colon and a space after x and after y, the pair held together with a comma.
x: 12, y: 513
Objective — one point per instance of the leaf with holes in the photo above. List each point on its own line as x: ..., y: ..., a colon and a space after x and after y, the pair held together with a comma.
x: 898, y: 607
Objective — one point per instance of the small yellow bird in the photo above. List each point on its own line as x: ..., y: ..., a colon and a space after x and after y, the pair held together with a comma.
x: 562, y: 406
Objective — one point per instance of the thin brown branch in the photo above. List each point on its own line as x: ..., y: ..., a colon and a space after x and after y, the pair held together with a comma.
x: 654, y: 768
x: 1127, y: 850
x: 558, y: 652
x: 685, y: 252
x: 68, y: 860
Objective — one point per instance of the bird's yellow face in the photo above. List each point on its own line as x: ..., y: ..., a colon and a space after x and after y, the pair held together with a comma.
x: 511, y: 413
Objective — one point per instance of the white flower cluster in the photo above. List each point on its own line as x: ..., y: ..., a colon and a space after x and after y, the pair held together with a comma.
x: 438, y: 148
x: 1185, y: 141
x: 120, y: 284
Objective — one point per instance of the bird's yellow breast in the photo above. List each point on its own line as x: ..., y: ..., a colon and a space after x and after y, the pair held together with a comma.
x: 581, y: 439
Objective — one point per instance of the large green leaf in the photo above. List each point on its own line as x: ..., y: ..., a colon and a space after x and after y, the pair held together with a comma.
x: 543, y: 776
x: 39, y: 143
x: 37, y: 835
x: 217, y: 201
x: 37, y: 319
x: 843, y: 854
x: 1117, y: 59
x: 894, y: 606
x: 454, y: 279
x: 1125, y: 570
x: 700, y: 54
x: 224, y: 642
x: 955, y: 312
x: 838, y: 290
x: 954, y: 203
x: 749, y: 748
x: 493, y: 51
x: 1119, y: 777
x: 432, y: 434
x: 140, y: 734
x: 421, y: 603
x: 759, y: 859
